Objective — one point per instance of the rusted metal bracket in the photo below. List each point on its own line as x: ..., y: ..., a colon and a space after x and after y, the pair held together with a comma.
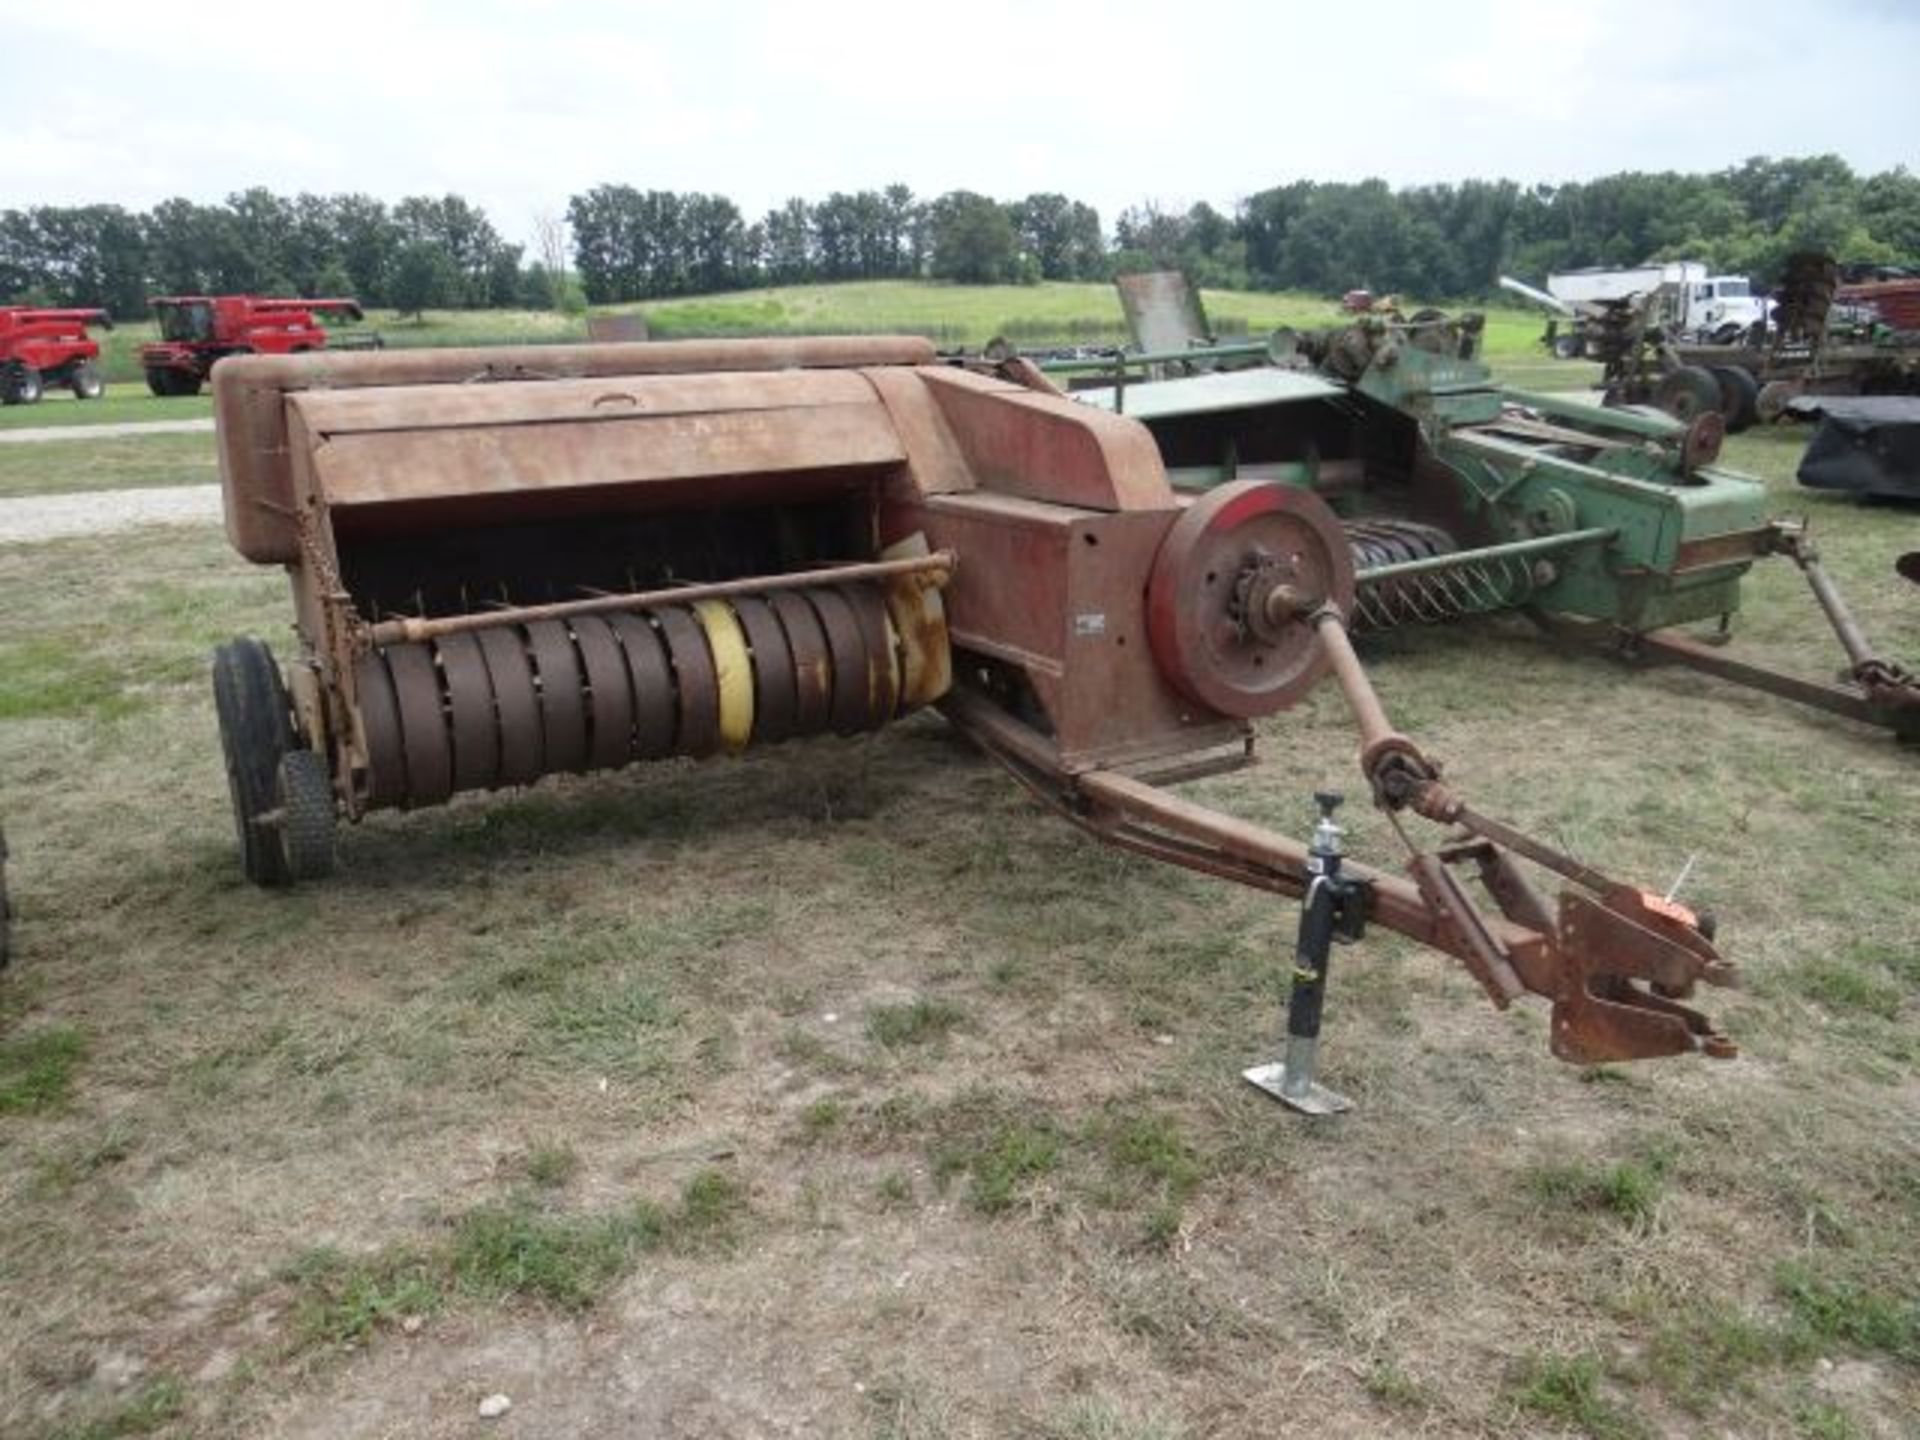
x: 1878, y: 691
x: 1605, y: 945
x: 1888, y: 685
x: 1614, y: 964
x: 1599, y: 1014
x: 1485, y: 957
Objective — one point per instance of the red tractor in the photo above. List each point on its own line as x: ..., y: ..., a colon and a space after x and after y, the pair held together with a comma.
x: 197, y: 330
x: 40, y: 347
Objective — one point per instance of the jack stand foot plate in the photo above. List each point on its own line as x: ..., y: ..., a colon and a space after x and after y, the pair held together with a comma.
x: 1311, y: 1098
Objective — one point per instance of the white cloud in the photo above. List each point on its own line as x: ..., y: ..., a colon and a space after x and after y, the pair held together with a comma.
x: 519, y: 105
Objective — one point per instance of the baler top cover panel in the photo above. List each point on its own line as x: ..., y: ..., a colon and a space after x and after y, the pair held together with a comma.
x: 442, y: 442
x: 1211, y: 394
x: 251, y: 392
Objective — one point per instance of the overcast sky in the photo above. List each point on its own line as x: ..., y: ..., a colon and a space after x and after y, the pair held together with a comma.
x: 517, y: 106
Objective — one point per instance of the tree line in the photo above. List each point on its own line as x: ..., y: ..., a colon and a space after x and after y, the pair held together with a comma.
x: 434, y: 250
x: 617, y: 243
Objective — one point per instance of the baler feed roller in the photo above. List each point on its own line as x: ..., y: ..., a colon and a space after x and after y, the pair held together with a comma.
x: 504, y: 704
x: 607, y: 554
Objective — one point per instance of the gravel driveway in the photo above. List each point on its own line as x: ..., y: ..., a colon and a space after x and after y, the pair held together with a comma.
x: 96, y: 512
x: 37, y: 433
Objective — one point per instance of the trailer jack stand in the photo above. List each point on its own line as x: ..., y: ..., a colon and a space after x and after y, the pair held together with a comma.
x: 1334, y: 908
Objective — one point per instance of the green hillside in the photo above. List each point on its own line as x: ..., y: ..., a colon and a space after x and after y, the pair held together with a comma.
x: 951, y: 315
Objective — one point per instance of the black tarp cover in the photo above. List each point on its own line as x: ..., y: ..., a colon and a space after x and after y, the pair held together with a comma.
x: 1868, y: 444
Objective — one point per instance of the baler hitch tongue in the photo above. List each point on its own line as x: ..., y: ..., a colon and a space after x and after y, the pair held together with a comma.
x: 1615, y: 961
x: 1626, y: 961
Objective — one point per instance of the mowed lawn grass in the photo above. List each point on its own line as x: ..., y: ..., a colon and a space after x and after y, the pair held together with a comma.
x: 123, y: 403
x: 837, y: 1089
x: 121, y: 462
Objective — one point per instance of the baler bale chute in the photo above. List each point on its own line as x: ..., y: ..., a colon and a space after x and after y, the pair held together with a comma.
x: 513, y: 563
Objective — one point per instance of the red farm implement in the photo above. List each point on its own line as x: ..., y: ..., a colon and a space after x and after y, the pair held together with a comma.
x: 42, y: 347
x: 198, y: 330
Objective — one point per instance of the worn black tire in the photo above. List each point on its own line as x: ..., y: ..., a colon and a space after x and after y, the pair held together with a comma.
x: 305, y: 792
x: 165, y: 381
x: 1568, y: 347
x: 256, y: 730
x: 1739, y: 397
x: 20, y: 384
x: 1687, y: 392
x: 85, y: 382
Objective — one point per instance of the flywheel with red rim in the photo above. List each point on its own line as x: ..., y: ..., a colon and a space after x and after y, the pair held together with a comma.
x: 1209, y: 628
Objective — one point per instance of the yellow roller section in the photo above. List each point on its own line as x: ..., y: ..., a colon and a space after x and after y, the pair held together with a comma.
x: 734, y: 668
x: 894, y: 677
x: 918, y: 619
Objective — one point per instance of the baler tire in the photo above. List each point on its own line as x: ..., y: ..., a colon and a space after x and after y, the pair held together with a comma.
x: 85, y: 381
x: 305, y: 791
x: 159, y: 381
x: 1568, y: 347
x: 256, y: 730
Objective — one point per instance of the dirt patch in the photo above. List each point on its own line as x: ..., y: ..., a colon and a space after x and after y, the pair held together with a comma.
x: 114, y: 430
x: 35, y: 518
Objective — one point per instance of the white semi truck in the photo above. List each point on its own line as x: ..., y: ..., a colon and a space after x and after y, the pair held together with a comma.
x: 1679, y: 296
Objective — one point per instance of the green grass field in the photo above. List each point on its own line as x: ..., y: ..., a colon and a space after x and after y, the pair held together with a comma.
x: 122, y: 404
x: 952, y: 315
x: 120, y: 463
x: 970, y: 315
x: 838, y: 1089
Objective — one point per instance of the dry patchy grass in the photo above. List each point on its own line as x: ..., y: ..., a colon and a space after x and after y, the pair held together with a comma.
x: 120, y: 463
x: 836, y: 1090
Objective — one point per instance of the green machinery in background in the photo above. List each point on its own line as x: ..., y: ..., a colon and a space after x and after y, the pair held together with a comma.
x: 1608, y: 525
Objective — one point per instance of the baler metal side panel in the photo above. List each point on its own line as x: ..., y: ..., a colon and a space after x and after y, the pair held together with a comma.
x: 1056, y: 591
x: 1049, y: 449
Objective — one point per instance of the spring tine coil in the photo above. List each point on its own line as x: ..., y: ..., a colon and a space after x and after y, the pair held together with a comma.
x: 1470, y: 588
